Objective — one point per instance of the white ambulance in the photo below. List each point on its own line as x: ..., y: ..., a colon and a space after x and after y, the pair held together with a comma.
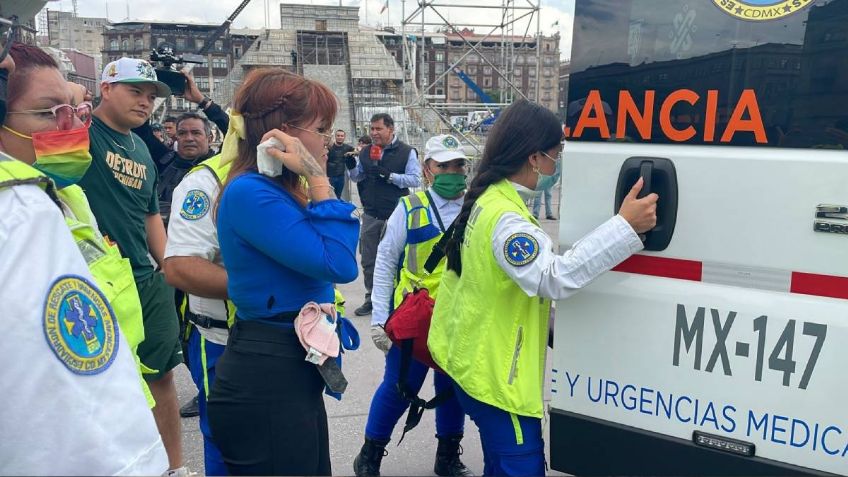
x: 722, y: 349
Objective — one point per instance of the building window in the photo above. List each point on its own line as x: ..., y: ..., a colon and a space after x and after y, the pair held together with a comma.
x: 237, y: 52
x: 440, y: 91
x: 487, y: 70
x: 440, y: 56
x: 219, y: 63
x: 139, y: 44
x: 113, y: 44
x: 487, y: 82
x: 472, y: 69
x: 180, y: 44
x: 219, y: 45
x: 199, y: 42
x: 455, y: 94
x: 531, y: 72
x: 125, y: 44
x: 440, y: 68
x: 202, y: 83
x: 321, y: 25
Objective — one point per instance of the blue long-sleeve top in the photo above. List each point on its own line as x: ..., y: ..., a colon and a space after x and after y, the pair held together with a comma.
x: 278, y: 254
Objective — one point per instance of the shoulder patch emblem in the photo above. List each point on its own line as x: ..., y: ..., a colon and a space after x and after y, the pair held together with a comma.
x: 520, y: 249
x: 80, y: 326
x: 195, y: 205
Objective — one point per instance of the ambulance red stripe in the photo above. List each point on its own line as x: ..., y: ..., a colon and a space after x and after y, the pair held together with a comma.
x: 801, y: 283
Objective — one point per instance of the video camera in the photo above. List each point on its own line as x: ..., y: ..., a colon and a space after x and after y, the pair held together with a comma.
x: 167, y: 61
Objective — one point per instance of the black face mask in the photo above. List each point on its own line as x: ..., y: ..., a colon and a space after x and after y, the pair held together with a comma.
x: 4, y: 79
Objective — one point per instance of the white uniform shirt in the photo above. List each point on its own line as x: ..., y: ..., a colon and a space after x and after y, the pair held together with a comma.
x: 54, y: 418
x: 192, y: 233
x: 391, y: 248
x: 549, y: 275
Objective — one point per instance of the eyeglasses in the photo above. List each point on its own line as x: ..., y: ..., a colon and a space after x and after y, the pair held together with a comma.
x: 7, y: 32
x: 558, y: 158
x: 327, y: 137
x: 64, y: 114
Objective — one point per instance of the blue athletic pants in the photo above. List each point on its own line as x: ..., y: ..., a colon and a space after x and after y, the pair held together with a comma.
x: 512, y: 444
x: 387, y: 406
x: 202, y: 357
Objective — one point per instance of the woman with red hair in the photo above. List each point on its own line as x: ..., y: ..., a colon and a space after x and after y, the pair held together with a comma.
x: 285, y: 239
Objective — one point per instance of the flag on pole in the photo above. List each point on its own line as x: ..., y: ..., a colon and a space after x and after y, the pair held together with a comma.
x: 385, y: 6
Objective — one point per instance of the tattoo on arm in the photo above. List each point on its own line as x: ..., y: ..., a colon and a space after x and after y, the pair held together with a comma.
x: 310, y: 166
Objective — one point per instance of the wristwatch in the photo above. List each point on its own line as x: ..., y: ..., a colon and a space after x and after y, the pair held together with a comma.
x: 204, y: 103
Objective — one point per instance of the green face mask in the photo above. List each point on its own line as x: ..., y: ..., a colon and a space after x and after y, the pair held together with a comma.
x: 449, y: 186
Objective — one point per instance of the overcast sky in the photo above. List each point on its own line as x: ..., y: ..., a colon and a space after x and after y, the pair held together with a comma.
x: 253, y: 16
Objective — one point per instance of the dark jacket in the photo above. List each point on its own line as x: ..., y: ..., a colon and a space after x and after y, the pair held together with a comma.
x: 336, y: 159
x: 172, y: 168
x: 379, y: 197
x: 158, y: 150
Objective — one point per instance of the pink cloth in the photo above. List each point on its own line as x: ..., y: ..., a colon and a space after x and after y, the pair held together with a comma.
x: 316, y: 328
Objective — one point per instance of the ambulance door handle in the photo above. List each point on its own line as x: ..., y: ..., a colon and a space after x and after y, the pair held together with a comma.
x: 660, y: 177
x: 646, y: 172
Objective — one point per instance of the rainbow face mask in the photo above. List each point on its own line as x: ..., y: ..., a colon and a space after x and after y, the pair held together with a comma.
x: 61, y: 155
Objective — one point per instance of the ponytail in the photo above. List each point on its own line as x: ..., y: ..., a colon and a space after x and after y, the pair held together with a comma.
x: 521, y: 130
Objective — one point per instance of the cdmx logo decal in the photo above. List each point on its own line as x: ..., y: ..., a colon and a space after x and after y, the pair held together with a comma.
x: 762, y: 10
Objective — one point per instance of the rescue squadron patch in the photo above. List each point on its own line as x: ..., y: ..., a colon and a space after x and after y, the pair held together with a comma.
x: 521, y: 249
x: 79, y: 325
x: 195, y: 205
x: 762, y: 10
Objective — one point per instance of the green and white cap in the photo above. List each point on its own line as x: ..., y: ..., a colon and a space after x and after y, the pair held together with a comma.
x: 133, y: 70
x: 443, y: 148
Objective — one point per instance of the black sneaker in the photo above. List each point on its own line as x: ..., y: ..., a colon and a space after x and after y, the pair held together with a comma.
x: 550, y: 217
x: 190, y: 409
x: 363, y: 310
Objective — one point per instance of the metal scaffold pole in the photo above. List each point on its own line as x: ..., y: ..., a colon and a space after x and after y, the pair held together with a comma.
x: 428, y: 102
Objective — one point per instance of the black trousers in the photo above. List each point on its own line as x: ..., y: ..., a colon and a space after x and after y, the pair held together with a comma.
x: 266, y: 409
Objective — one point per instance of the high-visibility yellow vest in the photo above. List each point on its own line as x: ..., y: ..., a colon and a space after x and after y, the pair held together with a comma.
x: 486, y: 333
x: 112, y: 273
x: 422, y: 234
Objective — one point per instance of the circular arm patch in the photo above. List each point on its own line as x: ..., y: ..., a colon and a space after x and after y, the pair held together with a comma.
x: 195, y: 205
x: 521, y: 249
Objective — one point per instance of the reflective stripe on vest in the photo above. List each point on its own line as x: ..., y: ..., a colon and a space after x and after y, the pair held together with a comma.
x: 486, y: 333
x: 422, y: 234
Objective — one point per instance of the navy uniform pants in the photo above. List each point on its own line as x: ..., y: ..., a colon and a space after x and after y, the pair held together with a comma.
x: 512, y: 444
x: 387, y: 405
x: 203, y: 356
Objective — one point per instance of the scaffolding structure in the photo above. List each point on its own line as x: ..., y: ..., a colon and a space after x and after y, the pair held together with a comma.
x: 418, y: 102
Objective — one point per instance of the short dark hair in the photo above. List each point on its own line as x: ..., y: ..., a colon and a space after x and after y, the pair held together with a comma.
x: 169, y: 119
x: 366, y: 139
x: 341, y: 131
x: 193, y: 115
x: 387, y: 120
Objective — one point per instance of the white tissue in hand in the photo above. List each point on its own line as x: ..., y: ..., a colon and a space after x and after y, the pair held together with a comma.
x: 266, y: 163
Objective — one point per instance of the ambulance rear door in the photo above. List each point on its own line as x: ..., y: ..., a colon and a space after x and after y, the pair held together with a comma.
x: 722, y: 348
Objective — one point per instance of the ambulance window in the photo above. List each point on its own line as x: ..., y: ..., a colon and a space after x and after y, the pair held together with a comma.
x: 703, y: 72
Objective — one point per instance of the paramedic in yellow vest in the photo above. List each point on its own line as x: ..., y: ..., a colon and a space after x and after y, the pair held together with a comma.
x: 61, y: 155
x: 415, y: 226
x: 490, y: 324
x: 193, y: 264
x: 73, y: 404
